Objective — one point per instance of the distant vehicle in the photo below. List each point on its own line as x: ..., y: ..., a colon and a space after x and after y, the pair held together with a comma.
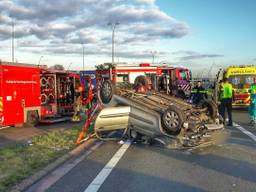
x: 241, y: 78
x: 32, y: 93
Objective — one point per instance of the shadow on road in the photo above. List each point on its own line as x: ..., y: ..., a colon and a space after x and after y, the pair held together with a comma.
x: 228, y: 166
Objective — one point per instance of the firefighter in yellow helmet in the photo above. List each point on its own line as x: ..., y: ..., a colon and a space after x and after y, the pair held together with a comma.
x: 226, y: 101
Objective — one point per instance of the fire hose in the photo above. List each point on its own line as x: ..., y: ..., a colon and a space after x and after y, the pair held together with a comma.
x: 87, y: 124
x: 90, y: 113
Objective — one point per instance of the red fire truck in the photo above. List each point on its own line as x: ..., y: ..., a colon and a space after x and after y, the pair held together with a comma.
x: 29, y: 93
x: 172, y: 80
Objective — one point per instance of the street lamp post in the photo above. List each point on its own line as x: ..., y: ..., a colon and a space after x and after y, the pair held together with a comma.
x: 113, y: 25
x: 40, y: 60
x: 69, y: 66
x: 153, y: 53
x: 83, y: 55
x: 13, y: 41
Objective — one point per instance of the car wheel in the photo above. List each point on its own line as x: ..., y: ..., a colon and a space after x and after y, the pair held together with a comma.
x: 106, y: 92
x: 212, y: 108
x: 140, y: 81
x: 172, y: 120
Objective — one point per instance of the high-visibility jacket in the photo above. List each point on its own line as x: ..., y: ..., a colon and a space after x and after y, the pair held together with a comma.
x: 227, y: 91
x: 253, y: 89
x: 220, y: 94
x: 198, y: 94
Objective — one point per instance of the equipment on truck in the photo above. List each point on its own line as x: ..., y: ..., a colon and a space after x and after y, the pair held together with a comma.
x: 32, y: 93
x: 152, y: 114
x: 241, y: 77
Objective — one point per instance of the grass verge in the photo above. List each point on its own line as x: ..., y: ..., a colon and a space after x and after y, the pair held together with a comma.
x: 22, y: 160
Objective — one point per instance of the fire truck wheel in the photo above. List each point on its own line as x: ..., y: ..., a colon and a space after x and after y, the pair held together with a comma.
x: 106, y: 92
x: 172, y: 120
x: 140, y: 81
x: 212, y: 108
x: 32, y: 118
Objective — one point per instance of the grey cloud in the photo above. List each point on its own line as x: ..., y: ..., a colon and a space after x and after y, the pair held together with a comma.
x: 6, y: 32
x: 130, y: 14
x: 77, y: 50
x: 51, y: 31
x: 184, y: 52
x: 200, y: 56
x: 188, y: 55
x: 42, y: 10
x: 176, y: 30
x: 5, y: 19
x: 149, y: 2
x: 60, y: 22
x: 138, y: 54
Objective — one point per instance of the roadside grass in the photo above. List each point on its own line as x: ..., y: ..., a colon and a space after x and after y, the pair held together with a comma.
x: 22, y: 160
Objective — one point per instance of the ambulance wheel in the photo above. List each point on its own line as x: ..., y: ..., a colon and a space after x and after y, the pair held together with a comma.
x: 140, y: 81
x: 32, y: 118
x: 212, y: 108
x: 106, y: 91
x: 172, y: 120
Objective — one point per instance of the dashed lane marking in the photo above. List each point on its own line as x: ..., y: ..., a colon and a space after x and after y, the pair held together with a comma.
x: 248, y: 133
x: 105, y: 172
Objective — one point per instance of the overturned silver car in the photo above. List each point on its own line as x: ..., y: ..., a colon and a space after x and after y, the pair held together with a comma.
x: 155, y: 116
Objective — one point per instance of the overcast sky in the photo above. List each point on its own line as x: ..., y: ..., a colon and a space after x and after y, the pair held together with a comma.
x: 194, y: 33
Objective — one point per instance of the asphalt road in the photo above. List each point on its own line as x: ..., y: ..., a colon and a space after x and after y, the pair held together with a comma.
x: 230, y: 166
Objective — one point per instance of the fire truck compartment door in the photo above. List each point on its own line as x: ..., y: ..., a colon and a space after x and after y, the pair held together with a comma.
x: 21, y: 89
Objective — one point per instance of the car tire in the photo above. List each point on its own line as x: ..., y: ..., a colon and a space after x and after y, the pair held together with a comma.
x: 172, y: 120
x: 140, y: 81
x: 106, y: 91
x: 212, y: 108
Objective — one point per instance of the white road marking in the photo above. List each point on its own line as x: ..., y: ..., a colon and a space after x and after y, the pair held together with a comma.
x: 53, y: 177
x: 105, y: 172
x: 248, y: 133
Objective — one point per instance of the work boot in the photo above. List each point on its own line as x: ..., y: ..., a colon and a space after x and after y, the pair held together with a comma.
x: 230, y: 124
